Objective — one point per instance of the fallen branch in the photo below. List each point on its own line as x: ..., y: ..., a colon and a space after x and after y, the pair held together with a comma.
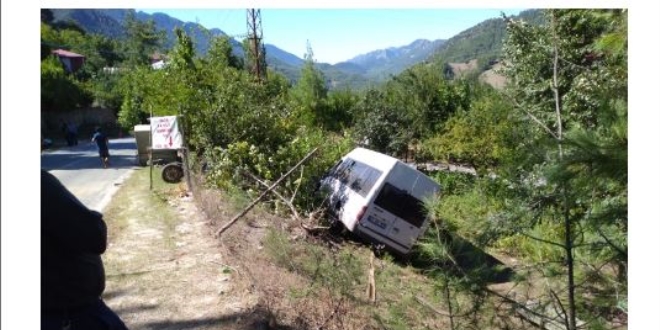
x: 295, y: 192
x: 538, y: 319
x: 289, y: 203
x: 431, y: 307
x: 563, y: 310
x: 334, y: 312
x: 249, y: 207
x: 280, y: 196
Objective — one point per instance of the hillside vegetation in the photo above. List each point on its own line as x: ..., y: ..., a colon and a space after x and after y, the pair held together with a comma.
x: 475, y: 51
x: 549, y: 197
x: 483, y: 41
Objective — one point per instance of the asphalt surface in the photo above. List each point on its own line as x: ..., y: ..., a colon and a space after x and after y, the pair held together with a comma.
x: 80, y: 169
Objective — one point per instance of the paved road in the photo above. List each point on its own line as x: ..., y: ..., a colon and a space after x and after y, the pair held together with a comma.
x: 80, y: 169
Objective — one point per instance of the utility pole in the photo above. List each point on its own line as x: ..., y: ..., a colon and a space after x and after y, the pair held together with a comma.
x: 256, y: 51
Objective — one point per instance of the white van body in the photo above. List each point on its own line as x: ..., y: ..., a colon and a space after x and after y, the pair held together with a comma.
x: 379, y: 198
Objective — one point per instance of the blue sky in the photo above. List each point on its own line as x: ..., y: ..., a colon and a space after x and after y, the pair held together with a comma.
x: 340, y: 34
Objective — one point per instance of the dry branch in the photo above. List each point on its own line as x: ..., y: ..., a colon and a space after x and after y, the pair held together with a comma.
x: 431, y: 307
x: 249, y: 207
x: 536, y: 318
x: 289, y: 203
x: 334, y: 312
x: 280, y: 196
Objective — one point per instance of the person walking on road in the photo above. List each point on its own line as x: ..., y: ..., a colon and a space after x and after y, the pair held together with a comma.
x: 102, y: 143
x: 73, y: 238
x: 72, y: 130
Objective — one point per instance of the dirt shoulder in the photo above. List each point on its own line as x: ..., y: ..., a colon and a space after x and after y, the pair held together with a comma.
x: 164, y: 268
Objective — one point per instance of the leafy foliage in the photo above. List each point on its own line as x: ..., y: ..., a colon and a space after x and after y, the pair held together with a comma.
x: 60, y: 91
x: 579, y: 113
x: 310, y: 94
x: 379, y: 124
x: 142, y: 40
x: 483, y: 41
x: 481, y: 135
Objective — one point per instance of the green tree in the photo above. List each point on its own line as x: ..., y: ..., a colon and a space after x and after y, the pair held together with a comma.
x: 134, y: 87
x: 574, y: 161
x: 220, y: 54
x: 310, y: 93
x: 59, y: 90
x: 379, y: 124
x: 339, y: 111
x: 480, y: 135
x: 49, y: 39
x: 142, y: 40
x: 427, y: 98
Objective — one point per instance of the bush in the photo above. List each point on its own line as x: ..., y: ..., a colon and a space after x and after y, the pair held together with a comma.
x: 59, y: 90
x: 227, y: 166
x: 454, y: 183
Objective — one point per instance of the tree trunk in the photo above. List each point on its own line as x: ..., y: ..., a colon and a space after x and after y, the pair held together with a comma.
x: 568, y: 235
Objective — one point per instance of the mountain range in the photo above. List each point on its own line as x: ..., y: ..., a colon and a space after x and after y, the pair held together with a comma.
x: 362, y: 70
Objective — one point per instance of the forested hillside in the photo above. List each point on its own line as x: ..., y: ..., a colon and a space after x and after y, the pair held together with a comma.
x: 360, y: 71
x: 381, y: 64
x: 549, y: 153
x: 481, y: 46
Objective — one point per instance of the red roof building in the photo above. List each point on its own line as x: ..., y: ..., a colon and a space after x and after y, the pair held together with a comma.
x: 71, y: 61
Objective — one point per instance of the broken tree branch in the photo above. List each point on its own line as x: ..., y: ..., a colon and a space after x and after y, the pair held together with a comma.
x: 334, y: 312
x: 431, y: 307
x: 280, y: 196
x: 295, y: 192
x: 249, y: 207
x: 534, y: 317
x: 289, y: 203
x: 561, y: 306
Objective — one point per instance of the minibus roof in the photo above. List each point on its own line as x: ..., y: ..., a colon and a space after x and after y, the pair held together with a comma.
x: 375, y: 159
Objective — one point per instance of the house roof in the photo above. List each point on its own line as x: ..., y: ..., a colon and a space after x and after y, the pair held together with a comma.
x: 66, y: 53
x: 155, y: 57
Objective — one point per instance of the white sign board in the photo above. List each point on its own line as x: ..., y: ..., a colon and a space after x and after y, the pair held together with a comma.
x: 165, y: 133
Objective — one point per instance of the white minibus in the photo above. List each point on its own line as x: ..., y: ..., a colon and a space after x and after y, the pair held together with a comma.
x: 379, y: 198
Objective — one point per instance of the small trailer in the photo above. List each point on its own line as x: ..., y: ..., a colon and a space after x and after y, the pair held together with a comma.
x: 146, y: 155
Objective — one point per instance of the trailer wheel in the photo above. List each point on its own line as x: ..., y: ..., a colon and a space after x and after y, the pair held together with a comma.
x: 172, y: 172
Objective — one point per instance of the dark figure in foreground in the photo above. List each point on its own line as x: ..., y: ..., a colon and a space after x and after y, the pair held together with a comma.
x: 102, y: 144
x: 73, y: 238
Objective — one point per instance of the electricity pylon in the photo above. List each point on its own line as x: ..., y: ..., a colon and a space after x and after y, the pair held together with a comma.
x: 256, y: 50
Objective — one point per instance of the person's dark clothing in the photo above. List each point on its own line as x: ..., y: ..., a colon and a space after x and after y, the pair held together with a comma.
x: 95, y: 316
x: 73, y: 133
x: 73, y: 238
x: 65, y: 130
x: 102, y: 143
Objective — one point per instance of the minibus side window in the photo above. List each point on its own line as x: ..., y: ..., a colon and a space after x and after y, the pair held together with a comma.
x: 358, y: 176
x: 340, y: 171
x: 401, y: 204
